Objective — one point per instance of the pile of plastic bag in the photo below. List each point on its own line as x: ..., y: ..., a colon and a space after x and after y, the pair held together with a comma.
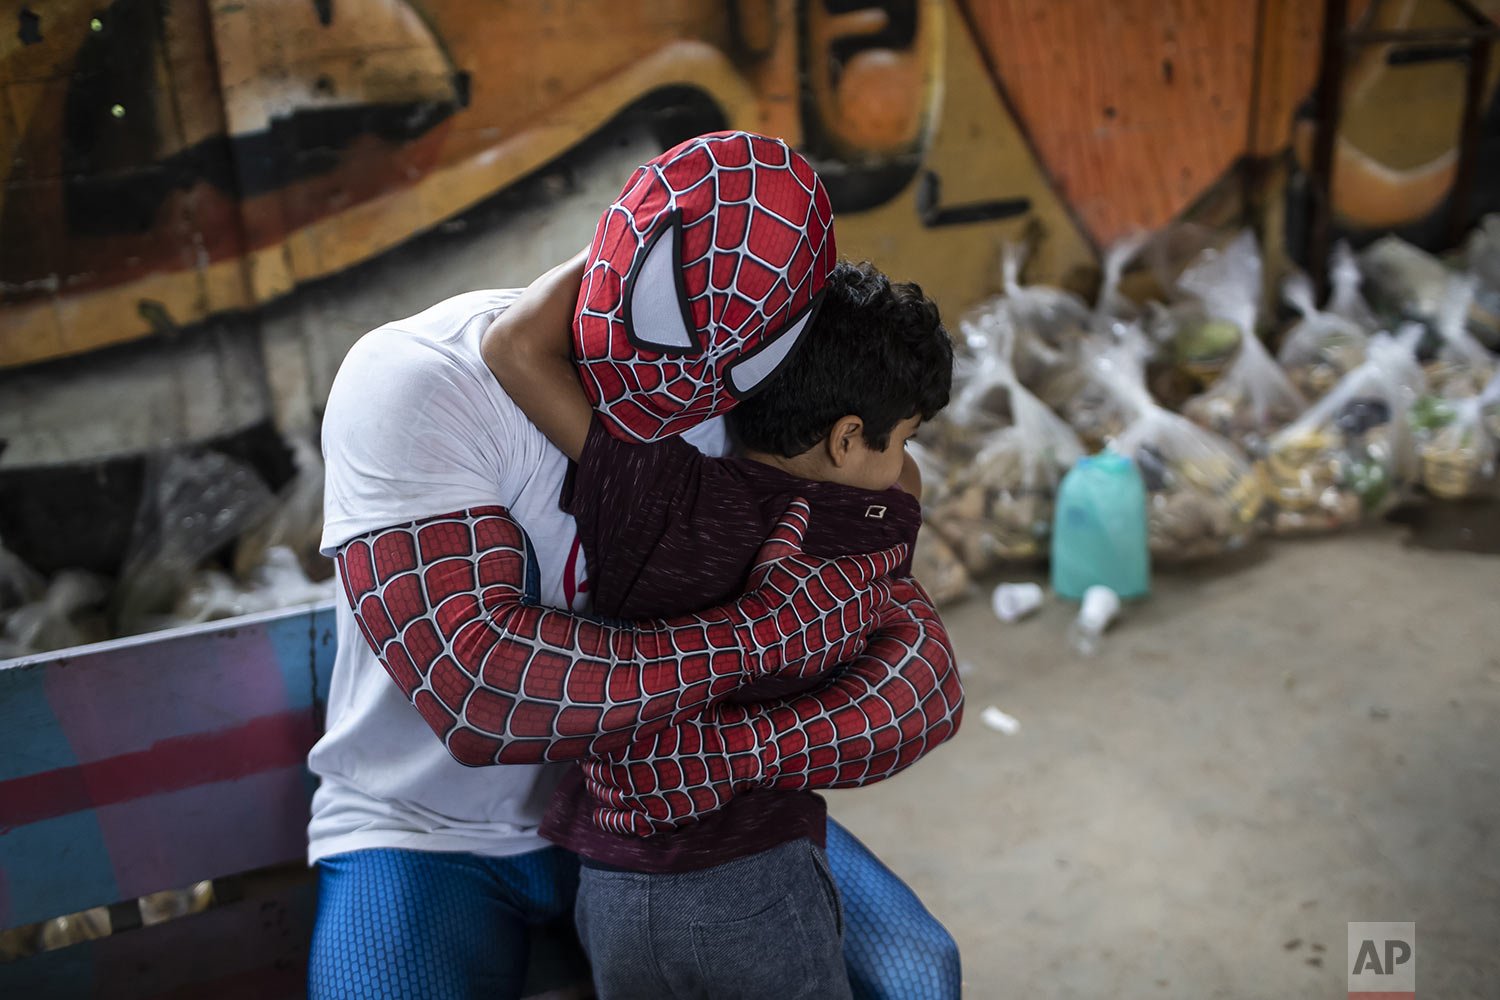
x: 993, y: 497
x: 1349, y: 456
x: 1095, y: 414
x: 1203, y: 497
x: 1322, y: 347
x: 1252, y: 397
x: 1047, y: 323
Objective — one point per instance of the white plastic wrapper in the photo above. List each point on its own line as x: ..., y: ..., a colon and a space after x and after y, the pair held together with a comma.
x: 278, y: 582
x: 997, y: 497
x: 1322, y: 347
x: 69, y: 612
x: 1204, y: 498
x: 1349, y: 456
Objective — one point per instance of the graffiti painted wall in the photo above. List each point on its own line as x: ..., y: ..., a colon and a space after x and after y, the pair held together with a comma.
x: 203, y: 202
x: 172, y: 160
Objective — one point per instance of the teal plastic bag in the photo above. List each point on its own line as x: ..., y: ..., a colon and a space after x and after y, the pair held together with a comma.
x: 1099, y: 533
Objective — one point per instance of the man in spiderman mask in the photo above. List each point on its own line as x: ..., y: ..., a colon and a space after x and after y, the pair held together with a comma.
x: 442, y: 512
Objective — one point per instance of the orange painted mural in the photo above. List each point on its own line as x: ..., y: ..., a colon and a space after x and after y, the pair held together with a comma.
x: 167, y: 160
x: 164, y: 162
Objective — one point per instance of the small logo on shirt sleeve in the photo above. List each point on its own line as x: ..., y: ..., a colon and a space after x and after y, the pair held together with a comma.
x: 875, y: 512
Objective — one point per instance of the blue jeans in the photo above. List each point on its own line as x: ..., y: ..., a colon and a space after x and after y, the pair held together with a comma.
x: 417, y: 924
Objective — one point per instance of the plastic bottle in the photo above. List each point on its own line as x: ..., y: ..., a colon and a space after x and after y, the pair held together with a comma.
x: 1099, y: 531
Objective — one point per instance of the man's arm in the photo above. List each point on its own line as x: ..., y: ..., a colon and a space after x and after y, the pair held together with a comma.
x: 887, y: 708
x: 529, y: 350
x: 501, y: 681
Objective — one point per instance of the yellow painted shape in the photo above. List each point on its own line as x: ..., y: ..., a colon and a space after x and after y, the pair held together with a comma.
x: 29, y: 332
x: 980, y: 154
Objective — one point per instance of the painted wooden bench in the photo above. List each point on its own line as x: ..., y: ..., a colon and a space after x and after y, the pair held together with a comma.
x: 159, y: 761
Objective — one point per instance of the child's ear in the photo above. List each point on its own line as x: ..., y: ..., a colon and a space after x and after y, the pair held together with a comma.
x: 843, y: 439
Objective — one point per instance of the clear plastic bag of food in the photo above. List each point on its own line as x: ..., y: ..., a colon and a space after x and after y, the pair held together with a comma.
x: 978, y: 403
x: 1047, y: 321
x: 1094, y: 408
x: 1204, y: 498
x: 1345, y: 299
x: 1252, y: 400
x: 1252, y: 397
x: 1455, y: 450
x: 1051, y: 315
x: 1222, y: 287
x: 1322, y: 347
x: 997, y: 504
x: 1350, y: 455
x: 1460, y: 367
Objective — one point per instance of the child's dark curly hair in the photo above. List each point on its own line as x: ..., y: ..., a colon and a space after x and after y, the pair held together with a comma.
x: 876, y: 349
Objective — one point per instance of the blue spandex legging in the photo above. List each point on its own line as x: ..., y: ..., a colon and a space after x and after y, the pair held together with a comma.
x: 417, y: 924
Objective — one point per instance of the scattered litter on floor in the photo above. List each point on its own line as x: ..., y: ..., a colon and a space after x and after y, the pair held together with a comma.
x: 1100, y: 606
x: 1000, y: 722
x: 1014, y: 601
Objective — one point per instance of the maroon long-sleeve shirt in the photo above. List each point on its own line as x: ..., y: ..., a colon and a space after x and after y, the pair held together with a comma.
x: 667, y: 530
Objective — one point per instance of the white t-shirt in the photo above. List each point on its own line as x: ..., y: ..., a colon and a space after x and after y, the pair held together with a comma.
x: 416, y: 425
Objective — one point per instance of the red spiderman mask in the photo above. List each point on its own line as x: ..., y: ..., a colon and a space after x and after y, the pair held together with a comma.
x: 702, y: 278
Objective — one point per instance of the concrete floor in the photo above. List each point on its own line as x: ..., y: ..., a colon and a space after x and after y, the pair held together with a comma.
x: 1260, y: 754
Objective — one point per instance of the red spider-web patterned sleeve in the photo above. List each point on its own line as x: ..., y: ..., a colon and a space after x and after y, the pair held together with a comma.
x: 886, y: 709
x: 502, y: 681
